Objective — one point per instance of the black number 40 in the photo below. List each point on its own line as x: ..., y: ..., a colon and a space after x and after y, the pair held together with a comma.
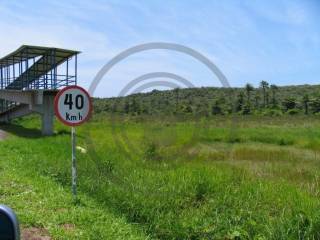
x: 79, y: 100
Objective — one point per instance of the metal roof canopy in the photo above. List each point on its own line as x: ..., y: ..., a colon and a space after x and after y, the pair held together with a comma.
x: 26, y: 52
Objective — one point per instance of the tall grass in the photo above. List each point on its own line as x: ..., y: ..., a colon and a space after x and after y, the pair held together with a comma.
x: 181, y: 180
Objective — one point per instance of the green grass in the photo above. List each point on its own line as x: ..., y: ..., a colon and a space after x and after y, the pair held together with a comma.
x: 29, y: 187
x: 223, y: 178
x: 41, y: 203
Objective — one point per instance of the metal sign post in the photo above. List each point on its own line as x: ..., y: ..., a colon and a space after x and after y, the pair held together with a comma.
x: 74, y: 164
x: 73, y: 107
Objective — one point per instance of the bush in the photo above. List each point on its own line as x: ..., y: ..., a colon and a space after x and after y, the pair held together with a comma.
x: 272, y: 112
x: 285, y: 142
x: 151, y: 152
x: 293, y: 112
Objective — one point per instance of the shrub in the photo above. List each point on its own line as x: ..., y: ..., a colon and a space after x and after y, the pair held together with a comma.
x: 293, y: 112
x: 151, y: 152
x: 272, y: 112
x: 285, y: 142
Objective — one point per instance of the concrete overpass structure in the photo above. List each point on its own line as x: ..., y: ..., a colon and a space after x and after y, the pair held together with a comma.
x: 30, y: 77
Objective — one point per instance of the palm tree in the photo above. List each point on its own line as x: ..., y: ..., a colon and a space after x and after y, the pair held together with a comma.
x: 240, y: 102
x: 273, y: 88
x: 257, y: 100
x: 264, y: 85
x: 249, y: 88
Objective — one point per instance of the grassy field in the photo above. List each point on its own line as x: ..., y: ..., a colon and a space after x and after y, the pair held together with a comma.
x: 218, y: 178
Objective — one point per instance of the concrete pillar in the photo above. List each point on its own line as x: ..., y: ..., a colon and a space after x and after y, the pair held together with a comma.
x: 47, y: 115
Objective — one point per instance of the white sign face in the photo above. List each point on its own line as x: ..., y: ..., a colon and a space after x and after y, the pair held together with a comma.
x: 73, y: 105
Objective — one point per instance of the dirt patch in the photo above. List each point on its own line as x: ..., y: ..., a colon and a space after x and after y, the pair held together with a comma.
x: 3, y: 135
x: 34, y: 233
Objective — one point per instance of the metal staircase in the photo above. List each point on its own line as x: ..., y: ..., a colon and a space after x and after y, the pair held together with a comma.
x: 30, y: 76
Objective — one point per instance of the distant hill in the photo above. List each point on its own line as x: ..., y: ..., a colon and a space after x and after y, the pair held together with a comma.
x: 206, y: 101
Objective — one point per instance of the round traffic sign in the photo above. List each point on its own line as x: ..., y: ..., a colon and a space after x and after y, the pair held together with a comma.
x: 72, y: 105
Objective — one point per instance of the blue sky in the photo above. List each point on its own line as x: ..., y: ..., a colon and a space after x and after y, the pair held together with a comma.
x: 249, y: 40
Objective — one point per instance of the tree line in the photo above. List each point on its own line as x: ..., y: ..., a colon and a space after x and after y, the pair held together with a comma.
x: 267, y: 99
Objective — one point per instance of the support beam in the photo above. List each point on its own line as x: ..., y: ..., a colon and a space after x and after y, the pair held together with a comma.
x: 18, y: 111
x: 18, y: 96
x: 31, y: 97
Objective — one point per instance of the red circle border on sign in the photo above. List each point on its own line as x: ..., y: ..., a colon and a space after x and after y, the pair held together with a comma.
x: 56, y: 100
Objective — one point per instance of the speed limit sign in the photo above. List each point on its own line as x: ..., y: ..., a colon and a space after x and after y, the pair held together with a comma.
x: 72, y: 105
